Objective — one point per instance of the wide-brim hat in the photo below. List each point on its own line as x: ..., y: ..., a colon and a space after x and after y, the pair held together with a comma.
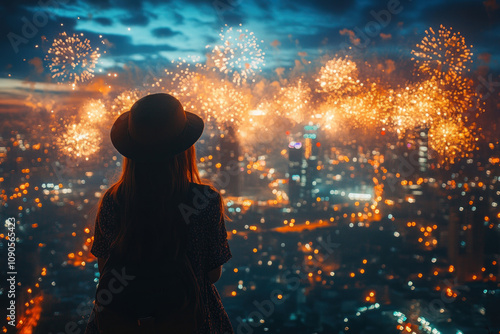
x: 155, y: 128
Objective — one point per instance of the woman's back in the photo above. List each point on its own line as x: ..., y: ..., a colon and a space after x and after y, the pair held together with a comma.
x: 162, y: 224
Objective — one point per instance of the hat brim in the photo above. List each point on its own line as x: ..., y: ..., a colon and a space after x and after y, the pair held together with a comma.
x: 128, y: 147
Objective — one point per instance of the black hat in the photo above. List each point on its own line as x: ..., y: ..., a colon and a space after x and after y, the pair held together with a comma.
x: 155, y: 128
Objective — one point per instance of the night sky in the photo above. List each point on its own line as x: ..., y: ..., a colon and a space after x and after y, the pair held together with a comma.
x: 148, y: 33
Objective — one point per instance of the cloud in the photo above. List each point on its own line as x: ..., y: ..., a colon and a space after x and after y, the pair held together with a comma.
x: 485, y: 57
x: 137, y: 19
x: 352, y: 36
x: 385, y: 36
x: 122, y: 46
x: 104, y: 21
x: 37, y: 64
x: 325, y: 6
x: 491, y: 5
x: 179, y: 19
x: 164, y: 32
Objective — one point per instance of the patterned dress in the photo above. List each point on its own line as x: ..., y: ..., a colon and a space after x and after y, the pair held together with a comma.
x: 207, y: 249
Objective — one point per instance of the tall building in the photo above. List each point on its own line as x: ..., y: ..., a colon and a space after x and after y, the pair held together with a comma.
x: 295, y: 154
x: 423, y: 148
x: 229, y: 153
x: 466, y: 234
x: 303, y: 156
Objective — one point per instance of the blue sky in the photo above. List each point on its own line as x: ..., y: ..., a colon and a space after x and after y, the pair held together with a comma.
x: 145, y: 33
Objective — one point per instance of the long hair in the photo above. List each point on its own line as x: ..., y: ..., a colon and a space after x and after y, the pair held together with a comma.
x: 152, y: 189
x: 150, y: 226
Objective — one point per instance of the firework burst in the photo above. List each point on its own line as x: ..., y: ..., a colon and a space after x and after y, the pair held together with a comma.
x: 294, y: 101
x: 239, y: 55
x: 443, y: 55
x: 71, y: 59
x: 81, y: 140
x: 124, y: 101
x: 225, y: 103
x: 451, y: 140
x: 338, y: 76
x: 94, y: 112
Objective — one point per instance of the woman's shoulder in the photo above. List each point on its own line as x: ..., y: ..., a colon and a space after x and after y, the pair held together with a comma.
x: 201, y: 191
x: 203, y: 198
x: 108, y: 205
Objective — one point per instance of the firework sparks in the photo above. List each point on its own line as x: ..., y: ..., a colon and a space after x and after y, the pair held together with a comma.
x: 94, y: 112
x: 80, y: 140
x: 71, y: 59
x: 124, y: 101
x: 451, y: 140
x: 418, y: 104
x: 337, y: 76
x: 337, y: 97
x: 239, y: 55
x: 442, y: 55
x: 294, y: 101
x: 225, y: 103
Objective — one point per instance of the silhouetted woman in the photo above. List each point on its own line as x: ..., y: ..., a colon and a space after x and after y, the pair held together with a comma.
x: 160, y: 238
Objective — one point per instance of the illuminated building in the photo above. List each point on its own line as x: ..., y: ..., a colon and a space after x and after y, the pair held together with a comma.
x: 295, y: 153
x: 303, y: 173
x: 229, y: 152
x: 466, y: 231
x: 423, y: 149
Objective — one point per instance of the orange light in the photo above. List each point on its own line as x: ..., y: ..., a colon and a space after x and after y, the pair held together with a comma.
x: 233, y: 293
x: 235, y: 270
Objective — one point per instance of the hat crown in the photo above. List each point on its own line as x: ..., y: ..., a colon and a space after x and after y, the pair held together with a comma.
x: 156, y: 118
x: 155, y: 128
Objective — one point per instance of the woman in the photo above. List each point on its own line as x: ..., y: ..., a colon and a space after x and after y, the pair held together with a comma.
x: 160, y: 238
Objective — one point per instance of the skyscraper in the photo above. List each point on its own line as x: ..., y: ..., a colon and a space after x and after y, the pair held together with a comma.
x: 229, y: 153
